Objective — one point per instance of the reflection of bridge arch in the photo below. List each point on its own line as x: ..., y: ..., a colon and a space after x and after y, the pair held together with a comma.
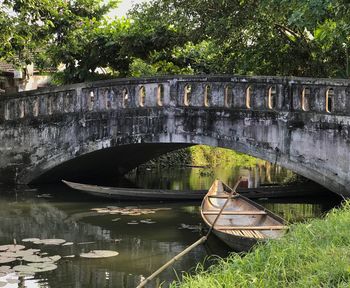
x: 44, y: 129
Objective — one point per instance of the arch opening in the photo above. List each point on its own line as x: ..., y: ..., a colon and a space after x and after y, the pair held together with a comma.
x: 248, y: 96
x: 187, y: 95
x: 160, y: 95
x: 272, y: 97
x: 91, y: 101
x: 207, y: 96
x: 125, y: 98
x: 329, y: 100
x: 305, y: 99
x: 228, y: 99
x: 142, y: 96
x: 36, y: 107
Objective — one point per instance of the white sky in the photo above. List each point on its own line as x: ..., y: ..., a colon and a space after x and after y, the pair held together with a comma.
x: 124, y: 6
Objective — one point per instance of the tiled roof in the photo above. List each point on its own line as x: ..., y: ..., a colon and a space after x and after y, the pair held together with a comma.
x: 6, y: 67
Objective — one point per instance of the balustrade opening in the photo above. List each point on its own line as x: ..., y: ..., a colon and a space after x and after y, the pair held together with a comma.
x: 91, y: 101
x: 272, y: 97
x: 160, y: 95
x: 187, y: 95
x: 329, y: 100
x: 305, y: 99
x: 142, y: 96
x: 36, y: 107
x: 207, y: 96
x: 21, y: 109
x: 228, y: 96
x: 248, y: 96
x: 125, y: 98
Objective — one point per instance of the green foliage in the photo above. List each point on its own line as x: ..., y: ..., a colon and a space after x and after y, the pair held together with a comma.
x: 53, y: 32
x: 270, y: 37
x: 253, y: 37
x: 313, y: 254
x: 205, y: 156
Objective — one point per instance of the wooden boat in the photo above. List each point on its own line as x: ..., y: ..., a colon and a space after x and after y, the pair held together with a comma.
x: 242, y: 222
x: 137, y: 194
x: 163, y: 194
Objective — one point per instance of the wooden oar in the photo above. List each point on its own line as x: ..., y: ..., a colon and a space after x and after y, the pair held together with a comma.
x: 195, y: 244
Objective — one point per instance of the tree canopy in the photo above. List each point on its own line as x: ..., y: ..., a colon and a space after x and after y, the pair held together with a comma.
x: 267, y: 37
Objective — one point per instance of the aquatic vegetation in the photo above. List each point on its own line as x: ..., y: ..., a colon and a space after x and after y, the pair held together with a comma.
x: 99, y: 254
x: 312, y: 254
x: 28, y: 262
x: 129, y: 210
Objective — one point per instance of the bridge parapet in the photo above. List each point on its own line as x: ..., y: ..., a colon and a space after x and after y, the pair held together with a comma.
x: 275, y: 94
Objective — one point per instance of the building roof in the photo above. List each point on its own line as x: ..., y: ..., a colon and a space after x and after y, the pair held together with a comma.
x: 6, y: 67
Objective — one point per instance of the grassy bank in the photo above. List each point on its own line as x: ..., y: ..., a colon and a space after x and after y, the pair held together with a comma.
x: 313, y: 254
x: 202, y: 155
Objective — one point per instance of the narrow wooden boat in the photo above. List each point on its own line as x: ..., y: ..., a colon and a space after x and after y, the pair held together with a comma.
x: 137, y: 194
x: 242, y: 222
x: 163, y: 194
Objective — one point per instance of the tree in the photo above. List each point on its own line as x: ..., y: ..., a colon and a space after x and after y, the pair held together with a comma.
x: 302, y: 38
x: 48, y: 30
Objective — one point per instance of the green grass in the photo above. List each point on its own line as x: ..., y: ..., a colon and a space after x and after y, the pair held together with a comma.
x: 312, y: 254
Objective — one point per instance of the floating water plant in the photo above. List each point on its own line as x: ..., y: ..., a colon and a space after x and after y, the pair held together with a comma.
x: 11, y: 247
x: 30, y: 240
x: 36, y: 258
x: 5, y: 260
x: 99, y: 254
x: 50, y: 241
x: 38, y: 267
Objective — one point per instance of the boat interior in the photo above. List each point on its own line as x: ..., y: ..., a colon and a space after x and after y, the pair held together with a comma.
x: 241, y: 216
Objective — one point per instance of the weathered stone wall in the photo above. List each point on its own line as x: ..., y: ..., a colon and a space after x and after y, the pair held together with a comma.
x: 300, y: 123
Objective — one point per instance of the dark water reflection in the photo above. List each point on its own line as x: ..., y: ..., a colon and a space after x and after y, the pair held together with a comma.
x: 202, y: 178
x: 143, y: 248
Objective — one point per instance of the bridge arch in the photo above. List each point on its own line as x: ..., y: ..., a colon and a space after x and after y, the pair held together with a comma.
x: 312, y: 143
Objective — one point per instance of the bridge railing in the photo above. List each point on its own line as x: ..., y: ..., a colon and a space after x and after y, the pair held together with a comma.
x: 272, y: 94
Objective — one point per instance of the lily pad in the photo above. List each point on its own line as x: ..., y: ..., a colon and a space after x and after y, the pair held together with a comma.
x: 99, y: 254
x: 19, y: 254
x: 69, y: 256
x: 12, y: 281
x: 147, y: 221
x: 55, y: 258
x: 3, y: 284
x: 11, y: 247
x: 68, y: 244
x: 25, y: 274
x: 4, y: 260
x: 30, y: 239
x: 5, y: 269
x: 85, y: 243
x: 36, y: 258
x: 38, y: 267
x: 50, y: 241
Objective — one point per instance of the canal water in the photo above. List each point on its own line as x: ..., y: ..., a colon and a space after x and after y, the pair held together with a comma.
x: 144, y: 242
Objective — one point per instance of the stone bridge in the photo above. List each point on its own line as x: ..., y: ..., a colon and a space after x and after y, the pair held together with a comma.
x: 106, y: 128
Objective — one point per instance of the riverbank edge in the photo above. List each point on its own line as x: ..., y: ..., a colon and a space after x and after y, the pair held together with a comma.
x: 203, y: 156
x: 311, y: 254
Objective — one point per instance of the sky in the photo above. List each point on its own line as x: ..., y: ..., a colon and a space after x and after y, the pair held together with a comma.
x: 124, y: 6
